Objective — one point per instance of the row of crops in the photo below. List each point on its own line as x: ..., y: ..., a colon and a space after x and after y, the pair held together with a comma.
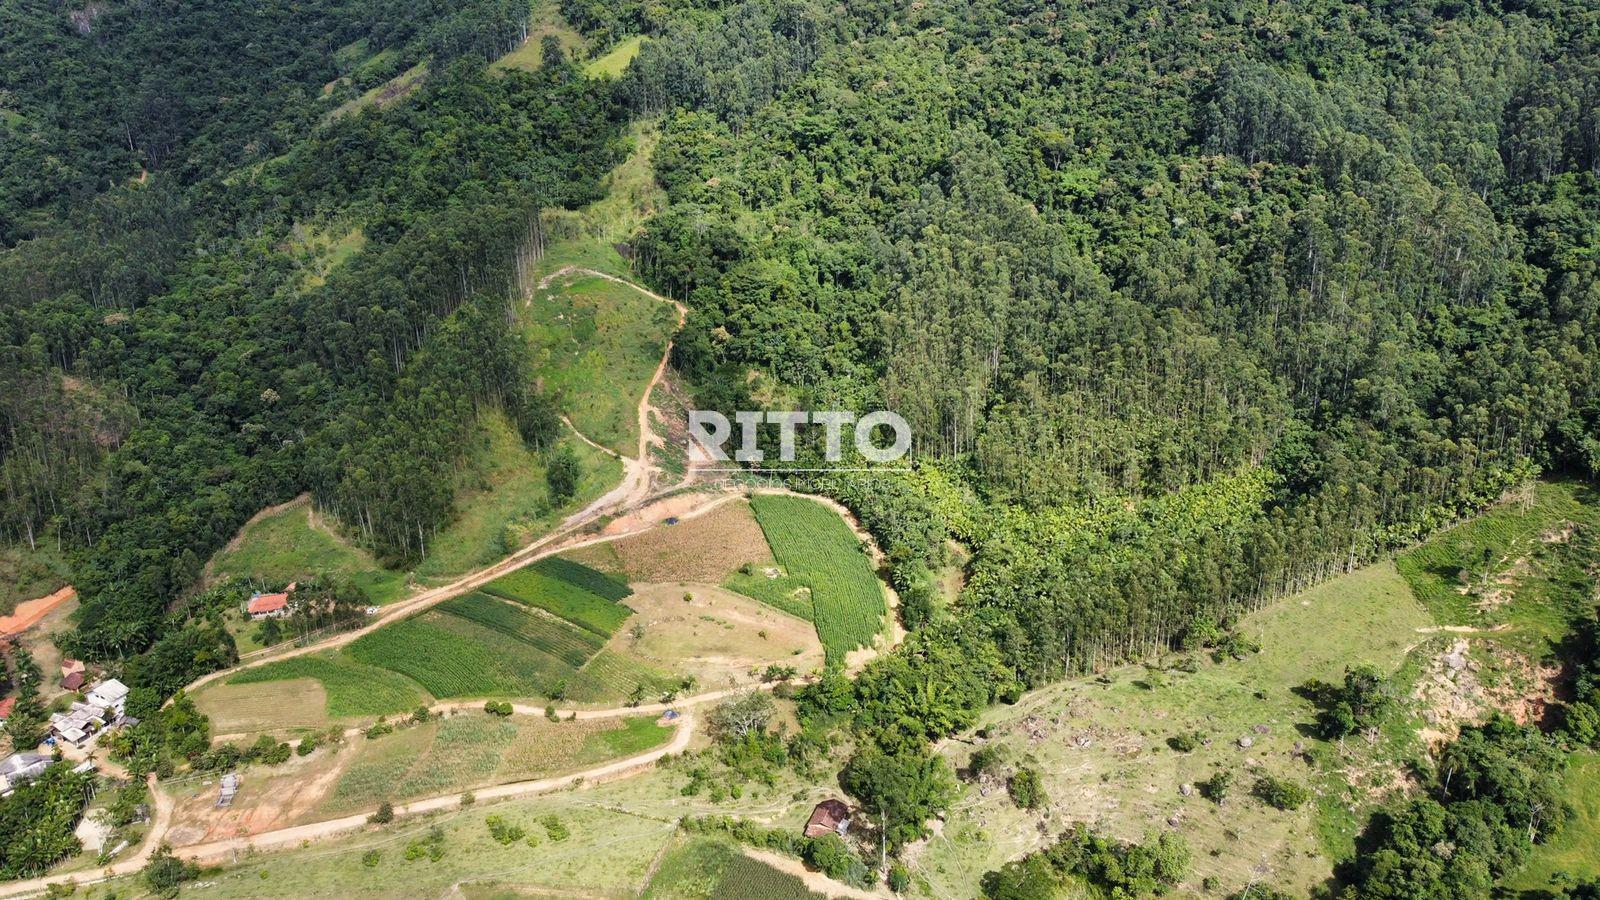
x: 583, y: 596
x: 818, y: 549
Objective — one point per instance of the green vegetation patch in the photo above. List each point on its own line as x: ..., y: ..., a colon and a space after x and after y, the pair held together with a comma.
x: 1513, y: 568
x: 29, y: 574
x: 563, y: 588
x: 558, y: 638
x: 596, y: 343
x: 453, y: 657
x: 354, y: 688
x: 295, y: 542
x: 611, y: 676
x: 706, y: 867
x: 819, y: 550
x: 615, y: 61
x: 784, y: 592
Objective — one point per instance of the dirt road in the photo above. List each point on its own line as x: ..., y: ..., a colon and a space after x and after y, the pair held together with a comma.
x: 220, y: 851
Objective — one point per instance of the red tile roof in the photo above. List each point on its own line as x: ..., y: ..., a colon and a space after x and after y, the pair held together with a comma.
x: 826, y: 817
x: 265, y: 603
x: 73, y: 681
x: 6, y: 705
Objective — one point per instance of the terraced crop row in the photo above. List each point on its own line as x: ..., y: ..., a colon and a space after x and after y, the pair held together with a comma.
x: 566, y: 597
x: 452, y: 657
x: 572, y: 645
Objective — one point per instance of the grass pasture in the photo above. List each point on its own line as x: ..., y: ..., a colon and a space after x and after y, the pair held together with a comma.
x: 27, y: 574
x: 818, y: 549
x: 581, y: 595
x: 1512, y: 567
x: 701, y: 866
x: 615, y: 61
x: 294, y: 541
x: 1101, y: 748
x: 716, y: 635
x: 596, y: 344
x: 783, y: 592
x: 1576, y: 849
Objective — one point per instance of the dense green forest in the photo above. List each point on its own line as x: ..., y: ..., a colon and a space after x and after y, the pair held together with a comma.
x: 1189, y: 305
x: 172, y: 367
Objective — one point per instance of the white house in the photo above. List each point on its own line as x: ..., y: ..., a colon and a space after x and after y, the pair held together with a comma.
x: 19, y: 768
x: 109, y: 694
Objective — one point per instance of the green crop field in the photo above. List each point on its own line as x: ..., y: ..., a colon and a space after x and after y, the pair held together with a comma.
x: 453, y: 657
x: 611, y: 676
x: 354, y: 689
x: 567, y: 589
x: 818, y: 549
x: 560, y: 639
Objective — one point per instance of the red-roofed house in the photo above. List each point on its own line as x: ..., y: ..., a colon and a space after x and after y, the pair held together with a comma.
x: 830, y: 817
x: 73, y: 681
x: 266, y: 606
x: 6, y: 706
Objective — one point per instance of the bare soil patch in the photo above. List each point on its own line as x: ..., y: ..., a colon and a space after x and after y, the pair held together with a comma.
x: 716, y: 635
x: 707, y: 548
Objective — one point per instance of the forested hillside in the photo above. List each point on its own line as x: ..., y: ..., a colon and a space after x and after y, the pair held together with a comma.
x: 177, y: 356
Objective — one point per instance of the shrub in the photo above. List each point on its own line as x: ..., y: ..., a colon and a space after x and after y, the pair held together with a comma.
x: 1187, y: 742
x: 1216, y: 787
x: 384, y: 814
x: 1026, y: 789
x: 371, y: 858
x: 1281, y: 793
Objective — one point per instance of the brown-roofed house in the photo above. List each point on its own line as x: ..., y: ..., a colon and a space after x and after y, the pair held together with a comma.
x: 264, y: 606
x: 73, y: 681
x: 830, y: 816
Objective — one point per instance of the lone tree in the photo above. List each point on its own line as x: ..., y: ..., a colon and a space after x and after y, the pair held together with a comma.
x: 738, y: 717
x: 562, y: 474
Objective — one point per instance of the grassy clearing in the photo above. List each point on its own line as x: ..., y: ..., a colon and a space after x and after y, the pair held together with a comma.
x: 562, y: 587
x: 354, y: 689
x: 294, y: 542
x: 1576, y: 850
x: 503, y: 500
x: 817, y: 548
x: 707, y: 548
x: 781, y: 592
x: 1101, y: 747
x: 545, y: 22
x: 1508, y: 567
x: 323, y: 250
x: 699, y: 866
x: 616, y: 61
x: 597, y: 343
x: 386, y: 94
x: 29, y: 574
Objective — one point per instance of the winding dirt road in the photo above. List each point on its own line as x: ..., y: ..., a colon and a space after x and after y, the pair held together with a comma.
x: 634, y: 497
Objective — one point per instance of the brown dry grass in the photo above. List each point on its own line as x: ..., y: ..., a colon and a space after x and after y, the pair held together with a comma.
x: 717, y: 636
x: 707, y: 548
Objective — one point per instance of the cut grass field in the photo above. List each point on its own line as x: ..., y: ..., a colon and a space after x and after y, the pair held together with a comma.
x: 352, y: 690
x: 1100, y: 745
x: 818, y: 549
x: 596, y: 344
x: 581, y: 595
